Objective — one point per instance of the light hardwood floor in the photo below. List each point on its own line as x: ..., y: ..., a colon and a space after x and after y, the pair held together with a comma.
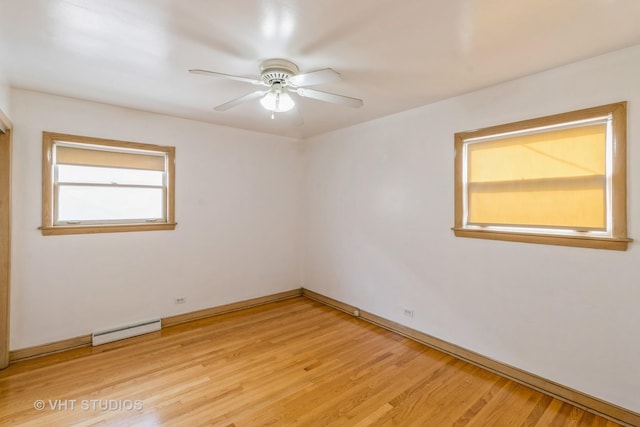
x: 293, y: 362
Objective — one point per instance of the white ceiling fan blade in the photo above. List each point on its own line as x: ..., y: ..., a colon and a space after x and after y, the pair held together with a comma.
x: 326, y: 75
x: 227, y: 76
x: 235, y: 102
x: 330, y: 97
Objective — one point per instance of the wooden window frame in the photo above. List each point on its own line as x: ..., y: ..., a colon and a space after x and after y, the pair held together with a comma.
x: 5, y: 235
x: 617, y: 240
x: 48, y: 227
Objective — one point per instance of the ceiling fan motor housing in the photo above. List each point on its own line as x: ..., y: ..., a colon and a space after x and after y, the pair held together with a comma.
x: 277, y: 71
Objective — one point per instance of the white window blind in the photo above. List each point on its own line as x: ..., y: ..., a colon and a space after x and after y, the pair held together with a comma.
x: 94, y: 185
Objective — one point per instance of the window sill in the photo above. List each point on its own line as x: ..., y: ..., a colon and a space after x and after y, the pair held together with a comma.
x: 616, y: 244
x: 92, y: 229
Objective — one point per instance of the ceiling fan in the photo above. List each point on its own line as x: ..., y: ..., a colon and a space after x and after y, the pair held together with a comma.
x: 280, y: 78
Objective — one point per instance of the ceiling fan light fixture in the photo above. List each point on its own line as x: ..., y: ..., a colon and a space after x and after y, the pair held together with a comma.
x: 277, y: 100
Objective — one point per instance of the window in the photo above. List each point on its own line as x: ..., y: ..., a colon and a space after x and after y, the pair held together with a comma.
x: 93, y: 185
x: 556, y: 180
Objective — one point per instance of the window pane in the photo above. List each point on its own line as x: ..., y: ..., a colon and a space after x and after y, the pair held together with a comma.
x: 561, y: 153
x: 575, y: 209
x: 550, y: 179
x: 102, y: 175
x: 78, y: 203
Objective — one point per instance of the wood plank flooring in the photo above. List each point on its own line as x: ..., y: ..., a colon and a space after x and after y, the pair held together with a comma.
x: 290, y: 363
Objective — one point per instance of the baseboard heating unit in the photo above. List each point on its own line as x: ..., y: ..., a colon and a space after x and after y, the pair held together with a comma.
x: 129, y: 331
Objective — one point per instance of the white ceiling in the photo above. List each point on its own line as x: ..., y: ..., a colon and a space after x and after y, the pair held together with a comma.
x: 394, y: 54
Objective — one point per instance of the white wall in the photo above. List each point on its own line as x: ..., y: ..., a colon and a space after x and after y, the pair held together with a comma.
x: 237, y: 207
x: 380, y: 205
x: 5, y: 105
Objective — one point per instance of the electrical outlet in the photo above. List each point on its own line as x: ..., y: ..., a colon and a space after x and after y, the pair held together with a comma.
x: 407, y: 312
x: 180, y: 300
